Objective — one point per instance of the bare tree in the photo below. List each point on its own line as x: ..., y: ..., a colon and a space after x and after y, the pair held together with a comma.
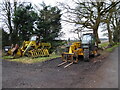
x: 7, y: 15
x: 7, y: 10
x: 88, y: 14
x: 108, y: 20
x: 115, y: 21
x: 112, y: 22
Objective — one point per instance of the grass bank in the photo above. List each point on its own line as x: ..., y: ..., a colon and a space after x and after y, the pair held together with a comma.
x: 29, y: 60
x: 112, y: 48
x: 109, y: 49
x: 103, y: 45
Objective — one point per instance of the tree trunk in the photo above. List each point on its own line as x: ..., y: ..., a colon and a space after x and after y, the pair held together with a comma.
x: 108, y: 28
x: 8, y: 8
x: 96, y: 26
x: 97, y: 40
x: 109, y: 34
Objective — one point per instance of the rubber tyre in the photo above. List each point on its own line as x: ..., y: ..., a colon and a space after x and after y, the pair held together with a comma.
x: 86, y: 55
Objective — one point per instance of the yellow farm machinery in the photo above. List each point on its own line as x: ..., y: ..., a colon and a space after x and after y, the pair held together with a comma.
x: 32, y: 48
x: 86, y: 47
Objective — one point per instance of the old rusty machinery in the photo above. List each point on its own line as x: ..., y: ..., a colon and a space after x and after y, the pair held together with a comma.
x: 32, y: 48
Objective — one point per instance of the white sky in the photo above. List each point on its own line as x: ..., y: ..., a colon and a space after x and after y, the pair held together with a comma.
x: 65, y: 27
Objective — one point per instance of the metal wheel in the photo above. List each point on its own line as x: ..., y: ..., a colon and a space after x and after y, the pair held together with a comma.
x: 86, y: 55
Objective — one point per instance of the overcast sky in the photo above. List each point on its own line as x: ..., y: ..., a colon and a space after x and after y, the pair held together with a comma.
x: 65, y: 27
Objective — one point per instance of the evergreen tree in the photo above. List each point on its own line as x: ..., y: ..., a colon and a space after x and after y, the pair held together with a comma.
x: 4, y: 38
x: 48, y: 25
x: 24, y: 18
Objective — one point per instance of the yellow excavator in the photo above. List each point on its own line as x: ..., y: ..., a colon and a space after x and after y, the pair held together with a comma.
x: 86, y: 47
x: 32, y: 48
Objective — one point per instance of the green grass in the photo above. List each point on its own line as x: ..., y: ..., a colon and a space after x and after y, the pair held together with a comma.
x: 105, y: 44
x: 29, y: 60
x: 7, y: 57
x: 112, y: 48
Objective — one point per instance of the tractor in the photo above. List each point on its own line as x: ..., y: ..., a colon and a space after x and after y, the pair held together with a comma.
x: 86, y: 47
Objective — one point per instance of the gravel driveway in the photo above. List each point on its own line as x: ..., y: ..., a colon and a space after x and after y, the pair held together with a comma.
x: 91, y: 74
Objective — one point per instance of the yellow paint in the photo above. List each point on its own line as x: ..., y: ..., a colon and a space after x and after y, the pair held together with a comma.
x: 39, y: 49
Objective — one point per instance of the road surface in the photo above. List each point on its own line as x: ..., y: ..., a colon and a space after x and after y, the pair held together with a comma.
x: 0, y: 69
x: 108, y: 72
x: 100, y: 74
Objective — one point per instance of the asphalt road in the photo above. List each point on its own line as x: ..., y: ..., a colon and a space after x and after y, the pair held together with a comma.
x: 119, y: 67
x: 0, y: 69
x: 107, y: 75
x: 100, y: 74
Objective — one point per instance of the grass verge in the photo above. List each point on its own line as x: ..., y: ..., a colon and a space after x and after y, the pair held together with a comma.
x: 105, y: 44
x: 107, y: 50
x: 29, y: 60
x: 112, y: 48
